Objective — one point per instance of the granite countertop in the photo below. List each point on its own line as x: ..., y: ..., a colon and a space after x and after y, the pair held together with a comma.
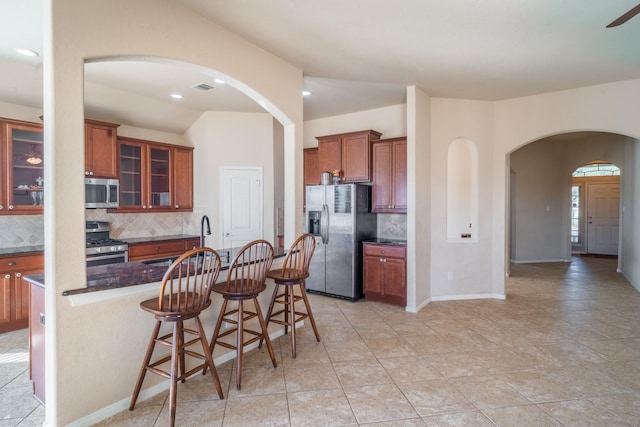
x: 113, y: 276
x: 22, y: 250
x: 392, y: 242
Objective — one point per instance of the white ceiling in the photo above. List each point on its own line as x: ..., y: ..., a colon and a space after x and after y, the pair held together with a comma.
x: 355, y: 55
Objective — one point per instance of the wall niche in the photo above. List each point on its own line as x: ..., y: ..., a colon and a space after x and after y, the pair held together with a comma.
x: 462, y: 191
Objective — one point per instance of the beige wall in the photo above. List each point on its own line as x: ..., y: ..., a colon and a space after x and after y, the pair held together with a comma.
x: 76, y: 30
x: 80, y: 30
x: 609, y: 108
x: 231, y: 139
x: 390, y: 121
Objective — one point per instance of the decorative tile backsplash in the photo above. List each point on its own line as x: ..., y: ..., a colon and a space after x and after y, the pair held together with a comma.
x: 125, y: 226
x: 392, y: 226
x: 28, y: 230
x: 21, y: 230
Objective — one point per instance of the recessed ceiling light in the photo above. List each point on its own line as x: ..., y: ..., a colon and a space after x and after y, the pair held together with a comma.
x: 27, y: 52
x: 219, y: 81
x: 176, y: 96
x: 306, y: 93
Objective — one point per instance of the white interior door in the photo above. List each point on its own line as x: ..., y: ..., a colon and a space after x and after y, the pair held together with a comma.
x: 603, y: 218
x: 241, y: 205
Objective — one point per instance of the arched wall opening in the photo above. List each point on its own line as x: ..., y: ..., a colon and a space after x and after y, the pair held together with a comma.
x: 232, y: 131
x: 540, y: 184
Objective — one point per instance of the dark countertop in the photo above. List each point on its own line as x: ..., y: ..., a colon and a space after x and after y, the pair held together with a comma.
x: 22, y: 250
x: 134, y: 240
x: 392, y: 242
x: 113, y: 276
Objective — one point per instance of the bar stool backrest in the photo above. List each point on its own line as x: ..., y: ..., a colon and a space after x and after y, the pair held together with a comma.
x: 187, y: 284
x: 248, y: 270
x: 300, y: 253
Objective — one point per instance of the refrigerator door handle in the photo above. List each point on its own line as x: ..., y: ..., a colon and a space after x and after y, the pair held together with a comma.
x: 324, y: 224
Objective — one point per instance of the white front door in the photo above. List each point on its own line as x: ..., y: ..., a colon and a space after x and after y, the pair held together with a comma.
x: 603, y: 218
x: 241, y: 190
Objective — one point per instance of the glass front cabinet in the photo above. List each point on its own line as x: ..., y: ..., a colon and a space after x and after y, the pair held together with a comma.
x: 21, y: 168
x: 148, y: 176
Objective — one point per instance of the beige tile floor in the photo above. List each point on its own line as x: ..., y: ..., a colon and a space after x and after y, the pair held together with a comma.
x: 562, y: 350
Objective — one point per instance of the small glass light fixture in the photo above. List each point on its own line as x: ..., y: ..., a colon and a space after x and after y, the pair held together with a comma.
x: 176, y: 96
x: 33, y: 157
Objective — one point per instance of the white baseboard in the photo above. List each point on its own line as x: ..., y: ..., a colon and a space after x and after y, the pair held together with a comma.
x: 539, y: 261
x: 426, y: 302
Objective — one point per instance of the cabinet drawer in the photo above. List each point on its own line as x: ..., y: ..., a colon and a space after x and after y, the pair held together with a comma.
x: 384, y: 250
x: 17, y: 262
x: 155, y: 250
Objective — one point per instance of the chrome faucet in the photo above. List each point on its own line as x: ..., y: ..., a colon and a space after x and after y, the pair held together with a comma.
x: 202, y: 221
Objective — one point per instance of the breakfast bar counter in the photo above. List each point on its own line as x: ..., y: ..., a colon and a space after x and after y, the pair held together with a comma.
x: 126, y: 274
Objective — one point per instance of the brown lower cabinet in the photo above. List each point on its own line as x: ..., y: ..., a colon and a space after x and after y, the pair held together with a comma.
x: 14, y: 290
x: 36, y: 341
x: 385, y: 273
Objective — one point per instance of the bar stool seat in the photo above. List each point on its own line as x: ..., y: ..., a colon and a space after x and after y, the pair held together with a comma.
x: 294, y: 271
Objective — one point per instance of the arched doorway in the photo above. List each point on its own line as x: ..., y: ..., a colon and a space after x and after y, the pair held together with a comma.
x: 540, y: 203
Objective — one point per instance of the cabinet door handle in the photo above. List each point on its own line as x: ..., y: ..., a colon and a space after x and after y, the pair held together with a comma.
x: 18, y: 274
x: 7, y: 276
x: 1, y: 207
x: 11, y: 263
x: 177, y: 206
x: 10, y: 207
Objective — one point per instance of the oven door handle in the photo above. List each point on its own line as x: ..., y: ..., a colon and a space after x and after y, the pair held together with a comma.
x: 101, y: 257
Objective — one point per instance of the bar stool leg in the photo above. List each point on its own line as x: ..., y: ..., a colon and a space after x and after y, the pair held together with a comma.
x: 303, y: 293
x: 265, y: 332
x: 145, y: 363
x: 209, y: 357
x: 292, y: 319
x: 239, y: 343
x: 175, y: 350
x: 287, y: 305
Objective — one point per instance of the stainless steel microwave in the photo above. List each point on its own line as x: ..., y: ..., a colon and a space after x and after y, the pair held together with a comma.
x: 101, y: 193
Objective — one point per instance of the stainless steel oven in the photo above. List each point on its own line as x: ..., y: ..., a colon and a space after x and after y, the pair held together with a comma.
x: 100, y: 248
x: 109, y: 257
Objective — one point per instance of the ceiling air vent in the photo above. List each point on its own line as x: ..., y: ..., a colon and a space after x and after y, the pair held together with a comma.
x: 203, y: 87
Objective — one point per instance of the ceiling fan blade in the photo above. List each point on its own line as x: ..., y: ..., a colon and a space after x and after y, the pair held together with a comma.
x: 624, y: 18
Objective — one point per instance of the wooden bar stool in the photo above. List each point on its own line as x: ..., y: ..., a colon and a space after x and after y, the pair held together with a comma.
x: 184, y: 294
x: 245, y: 281
x: 294, y: 271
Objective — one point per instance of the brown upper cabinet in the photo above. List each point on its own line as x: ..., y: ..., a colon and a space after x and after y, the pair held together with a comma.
x: 21, y: 167
x: 155, y: 177
x: 100, y: 149
x: 349, y: 153
x: 311, y: 166
x: 389, y: 192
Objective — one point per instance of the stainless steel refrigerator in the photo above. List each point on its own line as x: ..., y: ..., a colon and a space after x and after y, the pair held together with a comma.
x: 339, y: 217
